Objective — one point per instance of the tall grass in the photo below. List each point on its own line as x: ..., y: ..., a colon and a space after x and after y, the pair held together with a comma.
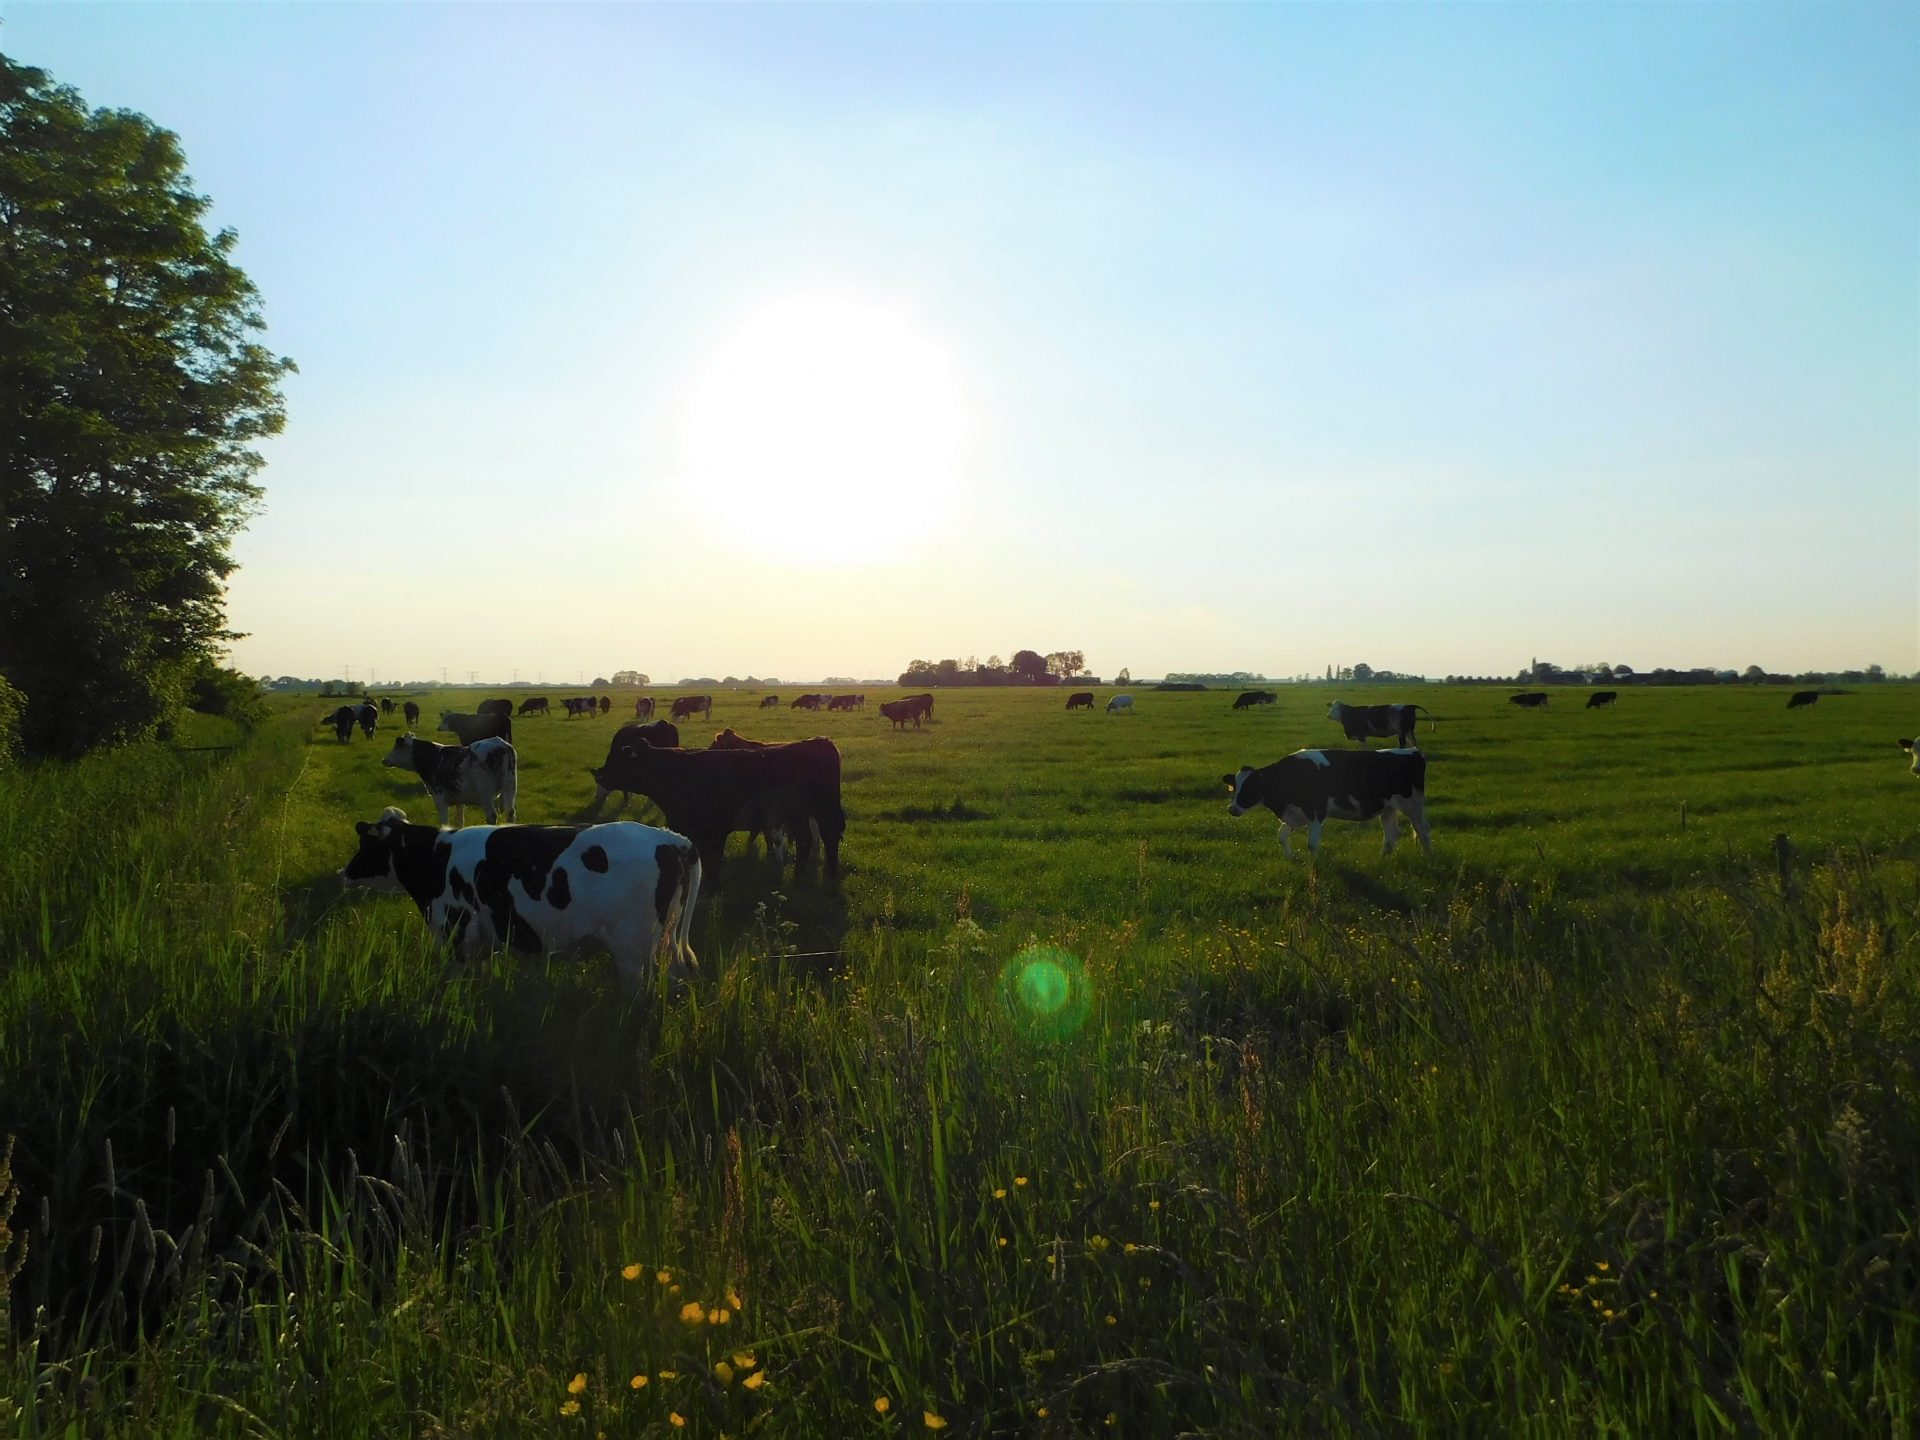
x: 1488, y: 1159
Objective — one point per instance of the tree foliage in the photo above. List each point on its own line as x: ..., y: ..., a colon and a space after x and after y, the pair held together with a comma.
x: 131, y: 397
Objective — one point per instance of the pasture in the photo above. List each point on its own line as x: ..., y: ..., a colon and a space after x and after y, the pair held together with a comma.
x: 1071, y: 1108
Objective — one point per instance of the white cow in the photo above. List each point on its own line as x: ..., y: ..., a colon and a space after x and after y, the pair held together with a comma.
x: 485, y: 773
x: 542, y: 888
x: 1120, y: 703
x: 1912, y: 747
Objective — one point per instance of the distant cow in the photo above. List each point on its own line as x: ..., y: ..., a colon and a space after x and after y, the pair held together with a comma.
x: 494, y: 707
x: 1362, y: 722
x: 412, y: 712
x: 343, y: 721
x: 535, y: 705
x: 1249, y: 698
x: 912, y: 708
x: 769, y: 702
x: 1080, y: 700
x: 542, y: 888
x: 708, y: 794
x: 1120, y: 705
x: 469, y: 728
x: 1532, y: 700
x: 369, y: 717
x: 1803, y: 697
x: 386, y: 706
x: 1601, y: 698
x: 843, y: 702
x: 687, y: 706
x: 808, y: 702
x: 606, y: 704
x: 643, y: 708
x: 581, y: 705
x: 485, y: 773
x: 1311, y: 786
x: 1912, y: 749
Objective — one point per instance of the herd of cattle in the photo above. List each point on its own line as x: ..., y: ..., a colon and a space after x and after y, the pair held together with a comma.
x: 632, y: 887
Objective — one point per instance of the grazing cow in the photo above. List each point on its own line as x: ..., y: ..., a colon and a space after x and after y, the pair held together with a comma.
x: 542, y: 888
x: 1601, y: 698
x: 1363, y: 721
x: 482, y: 774
x: 1249, y: 698
x: 343, y: 721
x: 494, y: 707
x: 386, y: 706
x: 535, y: 705
x: 1912, y: 748
x: 660, y: 734
x: 469, y: 728
x: 643, y: 708
x: 1310, y: 786
x: 731, y: 739
x: 369, y: 717
x: 687, y: 706
x: 1081, y: 700
x: 1532, y: 700
x: 1802, y: 697
x: 708, y: 794
x: 582, y: 705
x: 412, y: 712
x: 843, y: 702
x: 1120, y: 705
x: 769, y: 702
x: 911, y: 708
x: 606, y: 704
x: 807, y: 702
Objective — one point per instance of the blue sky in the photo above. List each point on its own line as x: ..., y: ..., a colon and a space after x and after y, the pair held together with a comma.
x: 1436, y: 337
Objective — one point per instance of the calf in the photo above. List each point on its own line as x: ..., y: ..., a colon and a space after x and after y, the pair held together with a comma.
x: 369, y: 716
x: 1803, y: 697
x: 412, y: 712
x: 1250, y: 698
x: 1912, y: 748
x: 1532, y: 700
x: 494, y: 707
x: 1361, y: 722
x: 1120, y: 705
x: 911, y: 708
x: 535, y: 705
x: 687, y: 706
x: 643, y: 707
x: 1309, y: 786
x: 469, y: 728
x: 485, y: 773
x: 1081, y: 700
x: 1601, y: 698
x: 769, y: 702
x: 542, y: 888
x: 343, y: 721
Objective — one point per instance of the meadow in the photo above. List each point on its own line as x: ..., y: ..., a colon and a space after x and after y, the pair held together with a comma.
x: 1072, y: 1107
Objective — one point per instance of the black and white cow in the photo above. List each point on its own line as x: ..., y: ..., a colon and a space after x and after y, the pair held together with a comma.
x: 1601, y: 698
x: 1361, y: 722
x: 1311, y: 786
x: 386, y: 706
x: 485, y: 773
x: 1912, y: 747
x: 369, y: 716
x: 343, y: 721
x: 542, y: 888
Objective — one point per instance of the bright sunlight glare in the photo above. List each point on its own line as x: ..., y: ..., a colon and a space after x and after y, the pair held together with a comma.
x: 825, y: 430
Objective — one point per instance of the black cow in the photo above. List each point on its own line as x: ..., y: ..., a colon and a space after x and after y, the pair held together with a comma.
x: 1802, y: 697
x: 687, y: 706
x: 660, y: 734
x: 536, y: 705
x: 1311, y: 786
x: 412, y: 712
x: 808, y: 702
x: 769, y: 702
x: 386, y: 706
x: 1363, y: 721
x: 343, y: 721
x: 1081, y: 700
x: 369, y: 717
x: 1532, y: 700
x: 1601, y: 698
x: 843, y: 702
x: 606, y: 704
x: 1249, y: 698
x: 494, y: 707
x: 469, y: 728
x: 911, y: 708
x: 708, y: 794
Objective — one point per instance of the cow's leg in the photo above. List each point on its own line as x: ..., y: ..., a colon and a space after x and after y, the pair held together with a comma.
x: 1415, y: 807
x: 440, y: 804
x: 1286, y: 839
x: 1313, y: 835
x: 1390, y: 824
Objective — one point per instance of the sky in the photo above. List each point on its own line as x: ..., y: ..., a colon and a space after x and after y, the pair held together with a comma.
x: 809, y: 340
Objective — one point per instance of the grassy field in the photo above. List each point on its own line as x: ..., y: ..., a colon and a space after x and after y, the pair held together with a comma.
x: 1072, y: 1108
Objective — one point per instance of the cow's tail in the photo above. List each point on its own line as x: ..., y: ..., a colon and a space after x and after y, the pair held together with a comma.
x: 1433, y: 720
x: 679, y: 927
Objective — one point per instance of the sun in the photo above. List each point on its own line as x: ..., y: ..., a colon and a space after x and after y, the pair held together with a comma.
x: 825, y: 430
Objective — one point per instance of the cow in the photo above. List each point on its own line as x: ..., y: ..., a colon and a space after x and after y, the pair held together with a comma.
x: 1602, y: 698
x: 1532, y: 700
x: 660, y: 734
x: 708, y: 794
x: 343, y: 721
x: 412, y: 712
x: 730, y: 739
x: 687, y: 706
x: 911, y: 708
x: 369, y: 716
x: 807, y: 702
x: 535, y: 705
x: 582, y: 705
x: 1120, y: 705
x: 1803, y: 697
x: 606, y: 704
x: 482, y: 774
x: 769, y: 702
x: 386, y: 706
x: 1081, y: 700
x: 1360, y: 722
x: 1311, y: 786
x: 1249, y: 698
x: 643, y: 707
x: 494, y: 707
x: 843, y: 702
x: 1912, y: 748
x: 469, y: 728
x: 542, y: 888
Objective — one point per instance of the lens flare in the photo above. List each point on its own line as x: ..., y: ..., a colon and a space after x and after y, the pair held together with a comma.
x: 1046, y: 990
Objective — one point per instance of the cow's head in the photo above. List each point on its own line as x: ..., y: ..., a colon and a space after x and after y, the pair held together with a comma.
x: 372, y: 864
x: 1336, y: 709
x: 1237, y: 783
x: 401, y: 756
x: 446, y: 716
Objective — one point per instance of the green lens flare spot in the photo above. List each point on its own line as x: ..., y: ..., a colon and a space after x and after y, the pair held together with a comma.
x: 1046, y: 991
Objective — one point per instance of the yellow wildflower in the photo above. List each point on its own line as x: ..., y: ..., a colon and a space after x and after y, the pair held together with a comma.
x: 1041, y: 1412
x: 693, y: 1312
x: 744, y: 1359
x: 723, y: 1372
x: 638, y: 1382
x: 1113, y: 1319
x: 932, y: 1421
x: 881, y: 1404
x: 1600, y: 1265
x: 577, y: 1383
x: 1098, y: 1244
x: 669, y: 1374
x: 630, y: 1272
x: 572, y: 1407
x: 1019, y: 1180
x: 1001, y: 1193
x: 755, y: 1380
x: 679, y: 1420
x: 665, y: 1277
x: 1153, y: 1204
x: 1003, y: 1242
x: 1132, y: 1248
x: 720, y: 1316
x: 733, y: 1299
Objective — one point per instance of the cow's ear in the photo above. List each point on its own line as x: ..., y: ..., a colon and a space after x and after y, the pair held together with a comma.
x: 1227, y: 780
x: 363, y: 827
x: 1906, y: 744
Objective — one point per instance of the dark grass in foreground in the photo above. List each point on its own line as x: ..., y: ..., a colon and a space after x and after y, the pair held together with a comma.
x: 1581, y: 1124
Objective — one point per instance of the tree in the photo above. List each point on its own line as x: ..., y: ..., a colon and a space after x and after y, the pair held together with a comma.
x: 1363, y: 672
x: 1028, y: 664
x: 1125, y: 677
x: 131, y: 395
x: 1065, y: 662
x: 630, y: 677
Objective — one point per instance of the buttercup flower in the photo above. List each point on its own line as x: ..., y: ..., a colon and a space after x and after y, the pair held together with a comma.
x: 577, y: 1383
x: 882, y: 1404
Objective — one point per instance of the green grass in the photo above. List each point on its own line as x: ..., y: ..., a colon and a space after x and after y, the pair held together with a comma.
x: 1591, y: 1121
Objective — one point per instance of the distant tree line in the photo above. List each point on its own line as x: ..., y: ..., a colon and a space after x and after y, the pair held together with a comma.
x: 1027, y: 667
x: 1544, y: 672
